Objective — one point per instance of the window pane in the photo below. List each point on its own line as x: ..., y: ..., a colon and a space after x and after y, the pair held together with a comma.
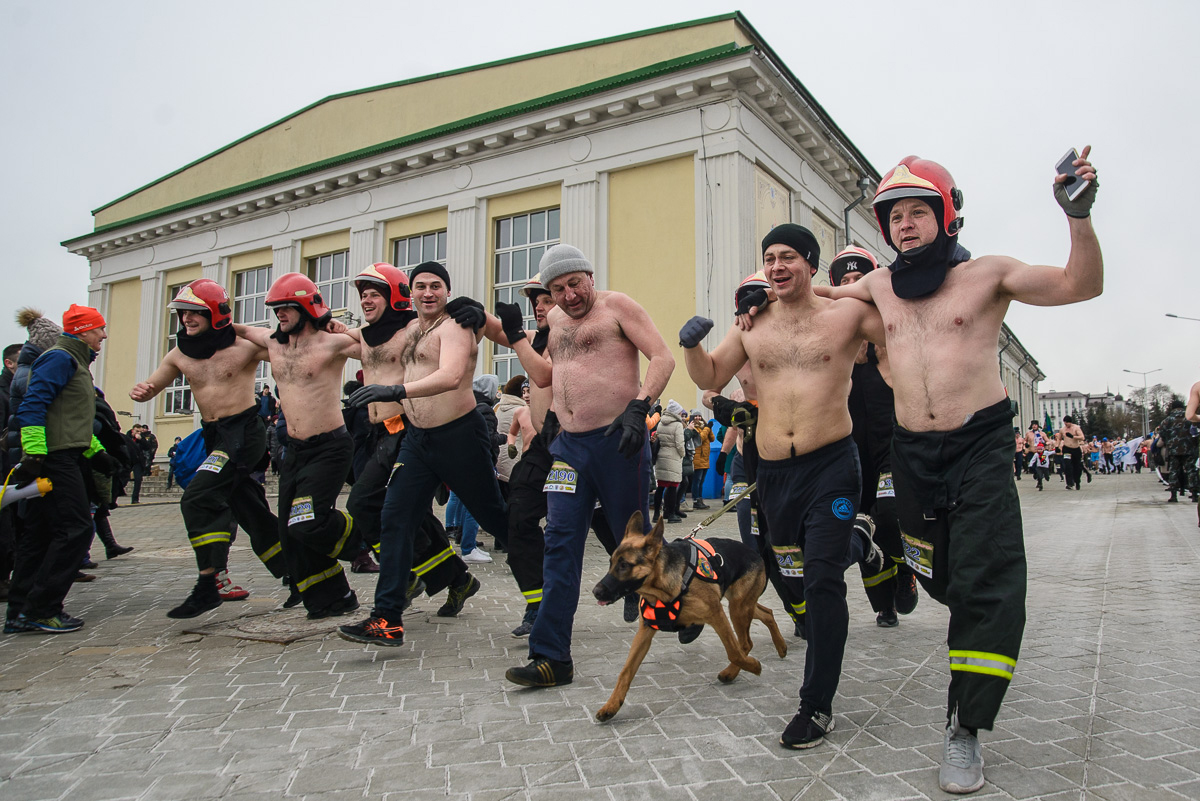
x: 441, y: 245
x: 535, y: 258
x: 520, y: 265
x: 339, y: 263
x: 505, y: 271
x: 504, y: 238
x: 414, y: 251
x: 502, y: 265
x: 552, y: 224
x: 520, y: 230
x: 428, y: 246
x: 537, y: 227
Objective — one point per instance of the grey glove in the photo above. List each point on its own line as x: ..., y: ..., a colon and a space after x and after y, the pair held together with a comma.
x: 377, y: 393
x: 1080, y: 206
x: 693, y: 331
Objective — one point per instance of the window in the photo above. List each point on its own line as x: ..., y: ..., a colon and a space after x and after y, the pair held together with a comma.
x: 520, y: 243
x: 250, y: 296
x: 411, y: 251
x: 250, y: 308
x: 329, y: 273
x: 177, y: 398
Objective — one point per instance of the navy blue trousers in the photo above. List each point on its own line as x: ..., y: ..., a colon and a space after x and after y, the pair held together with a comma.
x: 586, y: 467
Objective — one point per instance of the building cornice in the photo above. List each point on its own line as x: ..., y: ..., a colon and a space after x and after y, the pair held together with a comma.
x: 700, y: 79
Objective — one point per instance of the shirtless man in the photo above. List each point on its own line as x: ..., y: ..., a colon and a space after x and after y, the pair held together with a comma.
x: 522, y: 427
x: 446, y: 441
x: 594, y: 341
x: 1192, y: 412
x: 220, y: 370
x: 386, y: 299
x: 801, y: 350
x: 1072, y: 443
x: 307, y: 363
x: 959, y: 511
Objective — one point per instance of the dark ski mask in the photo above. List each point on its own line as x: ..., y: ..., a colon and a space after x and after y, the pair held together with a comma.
x: 282, y: 336
x: 386, y: 326
x: 203, y: 346
x: 541, y: 339
x: 920, y: 271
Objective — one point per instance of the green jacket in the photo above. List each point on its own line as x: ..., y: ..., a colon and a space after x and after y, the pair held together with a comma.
x: 60, y: 403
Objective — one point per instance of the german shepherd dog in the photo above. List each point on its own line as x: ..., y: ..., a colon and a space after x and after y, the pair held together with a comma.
x: 661, y: 573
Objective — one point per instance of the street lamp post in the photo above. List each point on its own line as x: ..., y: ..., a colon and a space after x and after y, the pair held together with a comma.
x: 1145, y: 398
x: 1181, y: 317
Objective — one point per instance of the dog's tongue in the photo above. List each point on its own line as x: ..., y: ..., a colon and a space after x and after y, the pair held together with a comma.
x: 602, y: 603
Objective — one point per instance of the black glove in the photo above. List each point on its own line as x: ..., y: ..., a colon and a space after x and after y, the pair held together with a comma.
x: 512, y: 451
x: 721, y: 463
x: 29, y: 469
x: 377, y: 393
x: 752, y: 300
x: 467, y: 312
x: 103, y: 464
x: 1080, y: 206
x: 694, y: 331
x: 550, y: 428
x: 632, y: 425
x: 510, y: 320
x: 733, y: 413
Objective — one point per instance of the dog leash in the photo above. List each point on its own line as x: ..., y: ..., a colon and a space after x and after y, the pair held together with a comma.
x: 708, y: 521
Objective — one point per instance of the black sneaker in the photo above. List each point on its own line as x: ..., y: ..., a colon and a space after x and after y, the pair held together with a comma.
x: 906, y: 592
x: 542, y: 672
x: 415, y: 588
x: 873, y: 557
x: 531, y: 613
x: 293, y: 599
x: 799, y: 632
x: 456, y: 599
x: 374, y: 631
x: 689, y: 634
x: 59, y: 624
x: 204, y: 596
x: 630, y: 612
x: 700, y: 505
x: 120, y: 550
x: 807, y: 729
x: 342, y: 606
x: 887, y: 619
x: 17, y: 625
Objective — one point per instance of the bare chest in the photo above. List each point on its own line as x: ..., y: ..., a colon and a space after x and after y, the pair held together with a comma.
x: 790, y: 344
x: 385, y: 359
x: 220, y: 368
x: 295, y: 366
x: 584, y: 340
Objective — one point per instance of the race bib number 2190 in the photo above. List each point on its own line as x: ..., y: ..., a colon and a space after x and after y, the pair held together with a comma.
x: 561, y: 478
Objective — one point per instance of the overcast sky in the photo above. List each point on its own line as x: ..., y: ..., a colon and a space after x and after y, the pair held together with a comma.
x: 98, y: 99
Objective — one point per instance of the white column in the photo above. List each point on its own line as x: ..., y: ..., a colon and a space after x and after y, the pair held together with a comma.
x: 281, y: 260
x: 148, y: 343
x: 98, y: 299
x: 725, y: 223
x: 580, y: 220
x: 214, y: 271
x: 363, y: 253
x: 465, y: 260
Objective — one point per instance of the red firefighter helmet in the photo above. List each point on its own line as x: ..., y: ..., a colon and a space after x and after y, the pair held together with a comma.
x: 756, y: 281
x: 207, y: 297
x: 918, y: 177
x: 381, y: 273
x: 534, y: 287
x: 296, y: 289
x: 851, y: 260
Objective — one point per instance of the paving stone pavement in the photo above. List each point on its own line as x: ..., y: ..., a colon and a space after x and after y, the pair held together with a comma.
x: 1103, y: 704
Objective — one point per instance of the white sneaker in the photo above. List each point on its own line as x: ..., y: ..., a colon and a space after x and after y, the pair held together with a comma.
x: 477, y: 556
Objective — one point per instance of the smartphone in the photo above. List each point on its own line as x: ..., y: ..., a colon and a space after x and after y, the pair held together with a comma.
x: 1074, y: 184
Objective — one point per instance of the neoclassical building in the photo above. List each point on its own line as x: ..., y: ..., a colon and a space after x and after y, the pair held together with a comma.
x: 665, y: 155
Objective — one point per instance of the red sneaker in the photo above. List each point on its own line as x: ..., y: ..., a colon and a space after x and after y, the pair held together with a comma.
x: 228, y: 590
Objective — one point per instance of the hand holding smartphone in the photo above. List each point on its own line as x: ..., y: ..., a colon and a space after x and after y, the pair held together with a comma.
x: 1074, y: 185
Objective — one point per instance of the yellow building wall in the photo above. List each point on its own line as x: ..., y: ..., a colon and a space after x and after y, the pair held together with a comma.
x: 248, y: 261
x: 370, y: 118
x: 121, y: 347
x: 422, y: 223
x: 326, y: 243
x: 652, y: 252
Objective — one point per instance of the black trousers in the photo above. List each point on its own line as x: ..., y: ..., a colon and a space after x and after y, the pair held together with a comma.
x: 809, y: 501
x: 880, y: 585
x: 458, y: 454
x: 139, y: 471
x: 434, y: 558
x: 222, y: 492
x: 526, y: 508
x: 57, y: 534
x: 313, y: 531
x: 744, y: 469
x: 1073, y: 459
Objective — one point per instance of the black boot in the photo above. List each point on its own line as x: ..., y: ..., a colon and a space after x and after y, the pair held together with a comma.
x: 112, y: 549
x: 658, y: 502
x: 204, y: 597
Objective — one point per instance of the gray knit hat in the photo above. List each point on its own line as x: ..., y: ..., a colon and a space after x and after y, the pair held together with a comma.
x: 560, y: 260
x: 43, y: 332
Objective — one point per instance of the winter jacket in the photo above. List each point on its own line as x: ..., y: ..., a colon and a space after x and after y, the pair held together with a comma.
x: 483, y: 405
x: 505, y: 409
x: 703, y: 448
x: 669, y: 465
